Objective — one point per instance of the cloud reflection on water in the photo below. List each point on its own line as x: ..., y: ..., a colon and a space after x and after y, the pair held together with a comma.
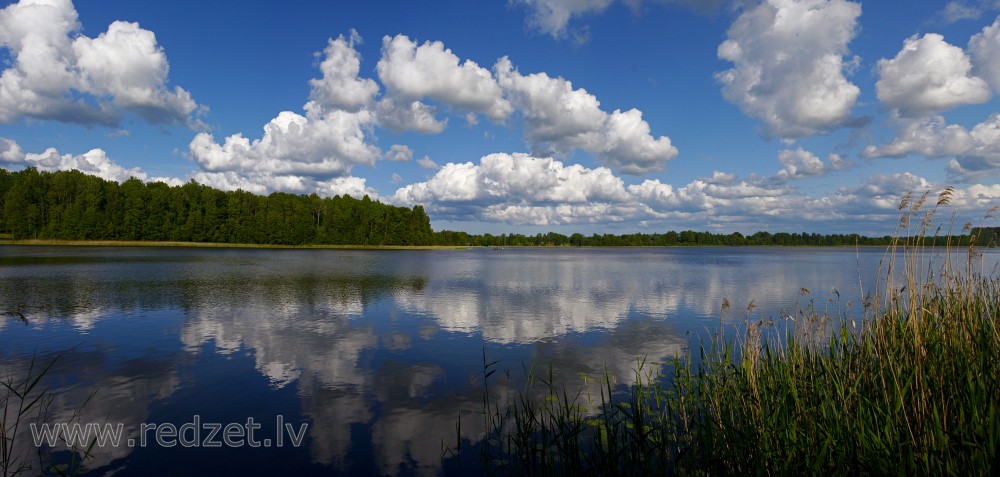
x: 379, y: 350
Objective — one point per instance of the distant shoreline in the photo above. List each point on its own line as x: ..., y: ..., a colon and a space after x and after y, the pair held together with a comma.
x: 178, y: 244
x: 173, y: 244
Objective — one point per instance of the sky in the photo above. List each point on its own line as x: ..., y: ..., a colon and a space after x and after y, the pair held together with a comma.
x: 591, y: 116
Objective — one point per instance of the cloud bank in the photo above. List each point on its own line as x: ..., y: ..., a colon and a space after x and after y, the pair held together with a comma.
x: 59, y: 74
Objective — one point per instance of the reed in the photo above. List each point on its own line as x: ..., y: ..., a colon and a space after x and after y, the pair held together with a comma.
x: 911, y: 386
x: 24, y: 401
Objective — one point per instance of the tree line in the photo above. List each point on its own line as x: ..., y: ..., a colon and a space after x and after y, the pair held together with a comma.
x: 71, y: 205
x: 667, y: 239
x: 987, y: 236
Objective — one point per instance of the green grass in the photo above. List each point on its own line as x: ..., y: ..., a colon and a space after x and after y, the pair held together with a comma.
x: 910, y: 387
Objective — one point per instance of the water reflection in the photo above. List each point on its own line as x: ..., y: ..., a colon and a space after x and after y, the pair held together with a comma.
x: 541, y: 295
x: 377, y: 351
x: 93, y: 388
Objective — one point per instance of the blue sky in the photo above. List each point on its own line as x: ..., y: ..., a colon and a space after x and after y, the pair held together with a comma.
x: 585, y: 116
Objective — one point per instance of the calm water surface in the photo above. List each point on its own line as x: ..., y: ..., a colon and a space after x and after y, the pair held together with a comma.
x: 374, y: 352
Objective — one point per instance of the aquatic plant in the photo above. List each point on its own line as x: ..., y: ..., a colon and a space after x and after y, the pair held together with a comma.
x: 911, y: 386
x: 23, y: 401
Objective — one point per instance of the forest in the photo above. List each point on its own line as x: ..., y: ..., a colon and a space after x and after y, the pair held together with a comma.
x: 71, y: 205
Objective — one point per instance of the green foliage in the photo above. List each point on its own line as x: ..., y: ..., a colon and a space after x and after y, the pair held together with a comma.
x: 70, y: 205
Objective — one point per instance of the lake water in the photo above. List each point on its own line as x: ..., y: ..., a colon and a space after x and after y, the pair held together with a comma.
x: 368, y: 356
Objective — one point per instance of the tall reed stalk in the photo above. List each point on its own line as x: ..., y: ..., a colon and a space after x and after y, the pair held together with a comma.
x: 24, y: 401
x: 910, y: 387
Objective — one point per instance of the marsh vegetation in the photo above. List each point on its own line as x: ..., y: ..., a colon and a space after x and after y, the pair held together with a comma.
x: 908, y: 383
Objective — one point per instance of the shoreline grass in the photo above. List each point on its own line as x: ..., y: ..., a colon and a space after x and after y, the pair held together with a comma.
x: 911, y: 387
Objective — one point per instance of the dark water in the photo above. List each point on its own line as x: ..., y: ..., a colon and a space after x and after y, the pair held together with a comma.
x: 371, y: 355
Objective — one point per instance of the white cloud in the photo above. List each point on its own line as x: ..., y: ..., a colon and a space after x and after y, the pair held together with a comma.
x: 94, y: 162
x: 10, y: 152
x: 929, y: 136
x: 262, y: 183
x: 121, y: 70
x: 628, y: 147
x: 956, y: 11
x: 512, y: 186
x: 789, y: 65
x: 325, y: 146
x: 974, y: 152
x: 401, y: 115
x: 521, y: 189
x: 929, y: 75
x: 356, y: 187
x: 311, y: 153
x: 799, y: 164
x: 399, y: 153
x: 340, y: 87
x: 428, y: 163
x: 560, y: 118
x: 838, y: 163
x: 984, y: 48
x: 703, y: 6
x: 882, y: 187
x: 552, y: 16
x: 411, y: 72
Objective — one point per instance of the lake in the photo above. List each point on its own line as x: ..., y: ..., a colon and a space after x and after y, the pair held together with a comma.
x: 319, y: 362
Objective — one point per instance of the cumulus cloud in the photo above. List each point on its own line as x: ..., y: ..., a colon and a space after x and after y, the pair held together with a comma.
x: 263, y: 183
x: 123, y: 69
x: 402, y: 115
x: 428, y: 163
x: 292, y: 144
x: 885, y: 192
x: 10, y: 152
x: 314, y: 152
x: 399, y: 153
x: 929, y: 75
x: 412, y: 72
x: 356, y: 187
x: 973, y: 151
x: 929, y: 136
x: 94, y: 162
x: 799, y: 164
x: 511, y: 186
x: 559, y: 118
x: 522, y: 189
x: 552, y: 17
x: 789, y: 65
x: 984, y: 48
x: 340, y: 87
